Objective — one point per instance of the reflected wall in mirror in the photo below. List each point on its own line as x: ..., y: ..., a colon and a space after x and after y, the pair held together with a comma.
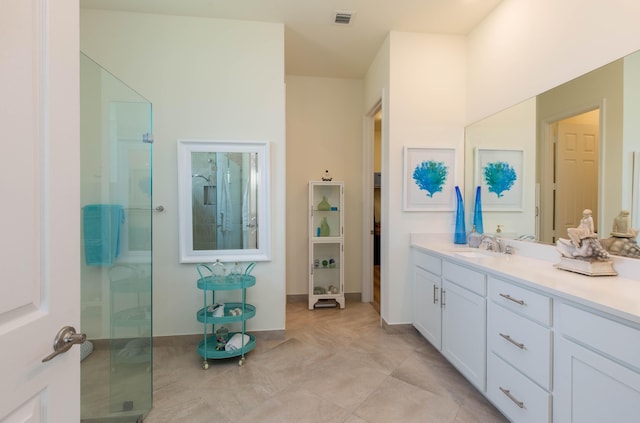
x: 223, y: 191
x: 590, y: 120
x: 511, y: 129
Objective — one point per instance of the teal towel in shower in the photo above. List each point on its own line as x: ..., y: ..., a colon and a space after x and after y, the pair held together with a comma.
x: 102, y: 224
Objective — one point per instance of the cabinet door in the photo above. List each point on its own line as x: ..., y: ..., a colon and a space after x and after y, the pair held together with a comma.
x: 590, y: 388
x: 463, y: 332
x: 326, y: 276
x: 426, y: 306
x: 326, y: 202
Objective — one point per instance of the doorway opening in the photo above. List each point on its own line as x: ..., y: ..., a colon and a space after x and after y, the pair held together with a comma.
x: 574, y: 144
x: 377, y: 194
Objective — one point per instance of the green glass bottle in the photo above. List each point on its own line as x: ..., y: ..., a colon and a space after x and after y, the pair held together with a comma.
x: 324, y: 204
x: 324, y: 227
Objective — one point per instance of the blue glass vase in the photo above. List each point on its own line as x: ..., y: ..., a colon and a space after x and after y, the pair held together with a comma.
x: 477, y: 213
x: 460, y: 235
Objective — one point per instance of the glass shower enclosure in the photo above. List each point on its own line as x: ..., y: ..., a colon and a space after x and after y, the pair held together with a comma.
x: 116, y: 244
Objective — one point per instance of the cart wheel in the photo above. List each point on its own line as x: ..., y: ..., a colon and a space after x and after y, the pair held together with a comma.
x: 205, y: 365
x: 241, y: 362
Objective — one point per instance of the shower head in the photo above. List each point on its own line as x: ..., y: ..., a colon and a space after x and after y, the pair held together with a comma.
x: 197, y: 175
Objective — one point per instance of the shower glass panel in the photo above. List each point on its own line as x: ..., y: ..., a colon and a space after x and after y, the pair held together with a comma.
x: 116, y: 268
x: 220, y: 191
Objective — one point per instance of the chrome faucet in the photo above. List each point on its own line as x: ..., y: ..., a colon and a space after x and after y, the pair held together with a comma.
x: 527, y: 237
x: 493, y: 243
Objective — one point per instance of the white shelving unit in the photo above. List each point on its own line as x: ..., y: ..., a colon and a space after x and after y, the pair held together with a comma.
x: 326, y: 244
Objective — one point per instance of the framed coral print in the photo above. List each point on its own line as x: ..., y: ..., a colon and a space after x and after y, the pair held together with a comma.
x: 429, y: 179
x: 499, y: 173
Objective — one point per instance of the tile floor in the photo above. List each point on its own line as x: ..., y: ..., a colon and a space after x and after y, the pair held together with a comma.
x: 332, y: 366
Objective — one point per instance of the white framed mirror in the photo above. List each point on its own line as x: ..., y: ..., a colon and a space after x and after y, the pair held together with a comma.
x: 223, y: 195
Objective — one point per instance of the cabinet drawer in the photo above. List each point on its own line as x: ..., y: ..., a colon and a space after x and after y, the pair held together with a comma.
x: 598, y: 332
x: 427, y: 262
x: 517, y: 397
x: 521, y: 300
x: 524, y: 344
x: 469, y: 279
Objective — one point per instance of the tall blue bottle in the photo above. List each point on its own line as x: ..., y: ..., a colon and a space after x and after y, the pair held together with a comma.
x: 460, y: 235
x: 477, y: 213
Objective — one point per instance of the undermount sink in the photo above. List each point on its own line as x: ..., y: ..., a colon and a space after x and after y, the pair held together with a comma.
x: 470, y: 254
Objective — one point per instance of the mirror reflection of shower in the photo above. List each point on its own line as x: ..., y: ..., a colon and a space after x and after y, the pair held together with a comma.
x: 209, y: 190
x: 204, y: 201
x: 196, y: 175
x: 221, y: 206
x: 224, y: 200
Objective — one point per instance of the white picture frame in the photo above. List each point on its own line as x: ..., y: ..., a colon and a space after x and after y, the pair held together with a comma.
x: 250, y: 214
x: 500, y: 174
x: 429, y: 179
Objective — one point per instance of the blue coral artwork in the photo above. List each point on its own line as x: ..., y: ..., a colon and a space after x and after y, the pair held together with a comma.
x: 429, y: 178
x: 500, y: 177
x: 500, y: 174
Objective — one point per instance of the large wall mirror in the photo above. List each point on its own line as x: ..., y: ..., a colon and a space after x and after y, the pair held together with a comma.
x: 578, y: 141
x: 223, y: 194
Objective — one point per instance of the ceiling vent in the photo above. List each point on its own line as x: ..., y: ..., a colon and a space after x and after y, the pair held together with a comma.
x: 342, y: 17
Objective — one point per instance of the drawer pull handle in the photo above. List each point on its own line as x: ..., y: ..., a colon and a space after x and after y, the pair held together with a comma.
x: 435, y: 294
x: 510, y: 298
x: 511, y: 397
x: 508, y: 338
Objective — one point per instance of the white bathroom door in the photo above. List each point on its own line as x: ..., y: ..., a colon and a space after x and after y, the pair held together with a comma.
x: 576, y: 175
x: 39, y: 213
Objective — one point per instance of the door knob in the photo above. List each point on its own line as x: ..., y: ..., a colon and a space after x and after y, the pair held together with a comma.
x: 64, y: 340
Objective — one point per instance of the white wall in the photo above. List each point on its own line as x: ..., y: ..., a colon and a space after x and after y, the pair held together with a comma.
x: 324, y: 131
x: 525, y: 47
x: 426, y: 104
x: 207, y: 79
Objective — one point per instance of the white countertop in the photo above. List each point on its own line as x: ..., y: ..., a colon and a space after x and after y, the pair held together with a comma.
x: 616, y: 295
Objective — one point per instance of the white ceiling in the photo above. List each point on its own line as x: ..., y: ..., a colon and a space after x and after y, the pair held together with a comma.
x: 314, y: 45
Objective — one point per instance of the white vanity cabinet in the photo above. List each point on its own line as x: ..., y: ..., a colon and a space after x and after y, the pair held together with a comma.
x: 556, y: 347
x: 519, y: 348
x: 427, y: 314
x: 449, y: 309
x: 596, y: 367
